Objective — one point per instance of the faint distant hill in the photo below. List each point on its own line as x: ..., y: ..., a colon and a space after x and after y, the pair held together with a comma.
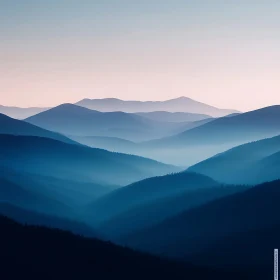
x: 20, y: 113
x: 201, y: 228
x: 16, y: 127
x: 252, y: 163
x: 173, y: 117
x: 108, y: 143
x: 116, y: 144
x: 189, y: 125
x: 181, y: 104
x: 53, y: 158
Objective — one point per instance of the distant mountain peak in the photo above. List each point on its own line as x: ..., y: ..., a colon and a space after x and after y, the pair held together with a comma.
x: 66, y: 106
x: 182, y: 98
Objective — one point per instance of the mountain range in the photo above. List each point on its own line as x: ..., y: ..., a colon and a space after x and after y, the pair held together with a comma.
x: 181, y: 104
x: 198, y: 141
x: 182, y: 109
x: 77, y: 121
x: 61, y: 169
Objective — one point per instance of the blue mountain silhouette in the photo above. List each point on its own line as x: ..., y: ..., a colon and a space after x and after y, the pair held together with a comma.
x: 16, y: 127
x: 53, y: 158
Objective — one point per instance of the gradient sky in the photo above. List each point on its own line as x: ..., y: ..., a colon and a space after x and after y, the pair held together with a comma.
x: 222, y: 52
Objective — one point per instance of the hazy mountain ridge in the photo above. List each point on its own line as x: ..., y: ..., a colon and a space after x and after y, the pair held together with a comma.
x: 181, y: 104
x: 253, y: 125
x: 108, y: 143
x: 75, y: 120
x: 116, y: 144
x: 57, y: 159
x: 173, y: 116
x: 254, y: 162
x: 16, y: 127
x: 71, y: 193
x: 216, y: 136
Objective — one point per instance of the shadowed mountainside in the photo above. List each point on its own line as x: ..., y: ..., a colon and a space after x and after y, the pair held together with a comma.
x: 26, y: 252
x: 251, y: 249
x: 152, y: 213
x: 22, y: 196
x: 200, y: 228
x: 145, y: 191
x: 28, y: 217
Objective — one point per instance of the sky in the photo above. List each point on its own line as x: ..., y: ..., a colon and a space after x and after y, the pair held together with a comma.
x: 225, y: 53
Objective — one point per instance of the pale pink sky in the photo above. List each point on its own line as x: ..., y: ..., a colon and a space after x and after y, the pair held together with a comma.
x: 229, y: 59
